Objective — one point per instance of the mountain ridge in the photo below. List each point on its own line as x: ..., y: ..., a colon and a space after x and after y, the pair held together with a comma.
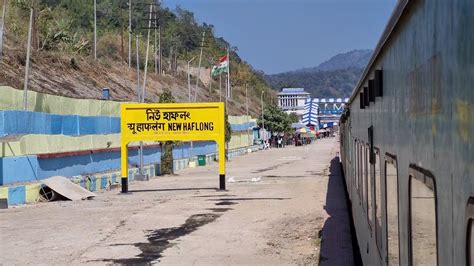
x: 335, y: 77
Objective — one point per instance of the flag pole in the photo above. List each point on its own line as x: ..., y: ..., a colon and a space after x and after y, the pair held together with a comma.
x: 228, y: 73
x: 227, y: 100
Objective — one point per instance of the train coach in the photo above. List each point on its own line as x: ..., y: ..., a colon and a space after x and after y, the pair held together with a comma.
x: 407, y: 139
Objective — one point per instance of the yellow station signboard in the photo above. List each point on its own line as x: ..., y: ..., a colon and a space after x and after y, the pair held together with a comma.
x: 172, y: 121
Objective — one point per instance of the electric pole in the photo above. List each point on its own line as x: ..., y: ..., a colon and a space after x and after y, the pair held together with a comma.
x: 146, y: 56
x: 2, y: 27
x: 138, y: 70
x: 199, y: 66
x: 129, y: 33
x: 247, y: 105
x: 263, y: 119
x: 27, y: 66
x: 160, y: 69
x: 189, y: 80
x: 95, y: 29
x: 155, y: 53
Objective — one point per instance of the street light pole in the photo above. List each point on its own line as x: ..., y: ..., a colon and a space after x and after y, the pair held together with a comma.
x: 263, y: 119
x: 189, y: 80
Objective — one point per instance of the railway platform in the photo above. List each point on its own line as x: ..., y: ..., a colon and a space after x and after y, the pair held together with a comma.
x: 282, y: 206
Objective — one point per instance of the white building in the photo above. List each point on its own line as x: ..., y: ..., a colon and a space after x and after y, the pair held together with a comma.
x: 292, y: 100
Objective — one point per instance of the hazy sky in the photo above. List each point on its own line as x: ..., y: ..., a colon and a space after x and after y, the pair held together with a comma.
x: 282, y: 35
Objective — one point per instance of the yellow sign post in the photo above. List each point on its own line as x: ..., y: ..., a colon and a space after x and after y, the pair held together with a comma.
x: 172, y: 121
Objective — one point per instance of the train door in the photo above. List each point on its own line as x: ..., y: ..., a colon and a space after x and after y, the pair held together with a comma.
x: 391, y: 214
x: 378, y: 201
x: 470, y: 232
x: 423, y: 217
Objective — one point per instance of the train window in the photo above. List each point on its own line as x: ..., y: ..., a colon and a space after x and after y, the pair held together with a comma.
x: 354, y: 167
x: 362, y: 176
x: 350, y: 182
x: 391, y: 218
x: 359, y: 170
x: 470, y: 233
x: 378, y: 200
x: 368, y: 177
x: 422, y: 218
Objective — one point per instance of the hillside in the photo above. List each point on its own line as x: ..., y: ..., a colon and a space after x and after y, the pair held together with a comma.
x: 352, y: 59
x: 62, y: 60
x: 335, y: 77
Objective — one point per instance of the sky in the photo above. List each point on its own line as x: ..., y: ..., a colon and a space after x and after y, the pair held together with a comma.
x: 283, y: 35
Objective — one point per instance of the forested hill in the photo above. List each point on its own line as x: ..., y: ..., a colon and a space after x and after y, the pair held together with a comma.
x: 335, y: 77
x: 62, y: 57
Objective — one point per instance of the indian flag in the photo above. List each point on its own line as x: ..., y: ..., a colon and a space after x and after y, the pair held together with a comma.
x: 221, y: 66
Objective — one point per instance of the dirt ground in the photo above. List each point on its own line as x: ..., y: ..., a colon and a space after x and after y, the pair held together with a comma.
x: 273, y: 212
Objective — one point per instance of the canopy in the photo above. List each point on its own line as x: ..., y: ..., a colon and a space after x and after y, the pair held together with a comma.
x: 297, y: 125
x: 302, y: 130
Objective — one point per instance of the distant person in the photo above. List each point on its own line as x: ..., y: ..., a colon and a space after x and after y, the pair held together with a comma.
x: 279, y: 143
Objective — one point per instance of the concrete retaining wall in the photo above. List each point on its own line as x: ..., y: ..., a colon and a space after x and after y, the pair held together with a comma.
x: 30, y: 193
x: 78, y: 137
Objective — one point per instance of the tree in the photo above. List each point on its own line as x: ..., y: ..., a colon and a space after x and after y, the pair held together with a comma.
x: 276, y: 120
x: 167, y: 146
x: 228, y: 129
x: 293, y: 118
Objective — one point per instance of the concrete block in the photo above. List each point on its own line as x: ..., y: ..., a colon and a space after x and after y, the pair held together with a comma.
x: 70, y: 125
x: 19, y: 169
x: 3, y: 203
x: 114, y: 125
x: 144, y: 177
x: 33, y: 144
x: 32, y: 193
x: 2, y: 125
x: 93, y: 183
x: 56, y: 124
x: 4, y: 192
x: 95, y: 108
x: 16, y: 195
x: 8, y: 149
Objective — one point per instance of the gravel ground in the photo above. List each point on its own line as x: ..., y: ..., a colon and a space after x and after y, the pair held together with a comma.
x: 272, y: 213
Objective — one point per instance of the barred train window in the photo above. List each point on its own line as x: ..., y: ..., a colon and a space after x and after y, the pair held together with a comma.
x: 391, y: 219
x: 369, y: 186
x: 378, y: 201
x: 423, y: 219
